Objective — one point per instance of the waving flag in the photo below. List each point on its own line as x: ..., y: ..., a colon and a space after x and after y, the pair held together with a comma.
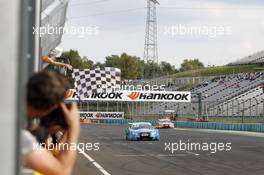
x: 98, y: 79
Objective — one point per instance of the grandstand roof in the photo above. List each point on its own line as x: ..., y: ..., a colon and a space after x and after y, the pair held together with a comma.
x: 254, y: 58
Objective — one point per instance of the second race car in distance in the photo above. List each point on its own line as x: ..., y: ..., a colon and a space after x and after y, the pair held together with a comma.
x: 165, y: 123
x: 142, y: 131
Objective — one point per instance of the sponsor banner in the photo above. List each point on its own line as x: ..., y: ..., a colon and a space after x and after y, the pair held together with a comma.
x: 102, y: 115
x: 134, y: 96
x: 71, y: 94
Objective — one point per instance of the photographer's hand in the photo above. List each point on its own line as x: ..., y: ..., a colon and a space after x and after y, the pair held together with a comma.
x: 63, y: 164
x: 71, y: 116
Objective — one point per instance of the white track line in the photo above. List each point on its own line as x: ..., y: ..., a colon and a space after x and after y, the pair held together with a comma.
x: 196, y: 154
x: 130, y: 155
x: 97, y: 165
x: 170, y: 155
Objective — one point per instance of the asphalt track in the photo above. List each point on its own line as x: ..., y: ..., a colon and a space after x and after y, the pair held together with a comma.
x: 117, y: 156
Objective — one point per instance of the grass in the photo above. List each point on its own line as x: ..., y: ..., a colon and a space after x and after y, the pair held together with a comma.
x: 220, y: 70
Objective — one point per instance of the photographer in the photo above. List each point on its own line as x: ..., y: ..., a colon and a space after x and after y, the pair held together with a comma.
x: 45, y: 93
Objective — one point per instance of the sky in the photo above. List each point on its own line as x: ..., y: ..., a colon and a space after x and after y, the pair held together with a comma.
x: 216, y: 32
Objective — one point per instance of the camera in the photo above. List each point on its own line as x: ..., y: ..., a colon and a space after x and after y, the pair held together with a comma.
x: 56, y: 117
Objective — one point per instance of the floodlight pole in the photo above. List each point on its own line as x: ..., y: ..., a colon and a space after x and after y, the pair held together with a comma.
x: 150, y: 48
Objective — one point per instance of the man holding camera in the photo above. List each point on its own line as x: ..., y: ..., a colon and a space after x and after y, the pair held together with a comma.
x: 45, y: 93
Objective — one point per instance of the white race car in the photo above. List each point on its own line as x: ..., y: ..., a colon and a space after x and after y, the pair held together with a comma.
x: 165, y: 123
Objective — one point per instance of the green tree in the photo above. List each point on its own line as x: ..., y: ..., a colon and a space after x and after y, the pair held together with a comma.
x: 131, y: 66
x: 113, y: 61
x: 151, y: 70
x: 73, y: 58
x: 98, y: 64
x: 191, y: 64
x: 167, y: 69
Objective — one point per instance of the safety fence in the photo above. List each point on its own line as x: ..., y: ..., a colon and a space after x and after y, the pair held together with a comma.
x: 251, y: 127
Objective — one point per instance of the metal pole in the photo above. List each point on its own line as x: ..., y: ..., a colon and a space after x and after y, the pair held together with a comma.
x: 232, y: 108
x: 199, y: 104
x: 256, y: 109
x: 250, y: 107
x: 136, y: 109
x: 227, y: 109
x: 262, y: 107
x: 243, y: 111
x: 238, y: 107
x: 107, y: 105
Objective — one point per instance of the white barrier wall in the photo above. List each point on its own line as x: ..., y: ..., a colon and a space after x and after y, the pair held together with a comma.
x: 9, y: 47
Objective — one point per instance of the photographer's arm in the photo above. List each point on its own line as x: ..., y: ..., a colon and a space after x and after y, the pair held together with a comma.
x: 49, y: 60
x: 62, y: 165
x: 62, y: 65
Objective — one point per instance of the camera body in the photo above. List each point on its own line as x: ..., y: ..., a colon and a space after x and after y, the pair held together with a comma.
x: 55, y: 118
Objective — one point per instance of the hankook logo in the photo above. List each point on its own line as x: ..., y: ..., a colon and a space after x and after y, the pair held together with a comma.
x: 69, y: 93
x: 134, y: 95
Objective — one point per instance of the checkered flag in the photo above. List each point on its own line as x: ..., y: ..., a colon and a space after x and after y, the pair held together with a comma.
x: 98, y: 79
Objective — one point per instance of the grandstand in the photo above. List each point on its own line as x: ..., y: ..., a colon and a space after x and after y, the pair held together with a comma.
x: 247, y: 104
x: 230, y: 95
x: 255, y: 58
x: 233, y: 95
